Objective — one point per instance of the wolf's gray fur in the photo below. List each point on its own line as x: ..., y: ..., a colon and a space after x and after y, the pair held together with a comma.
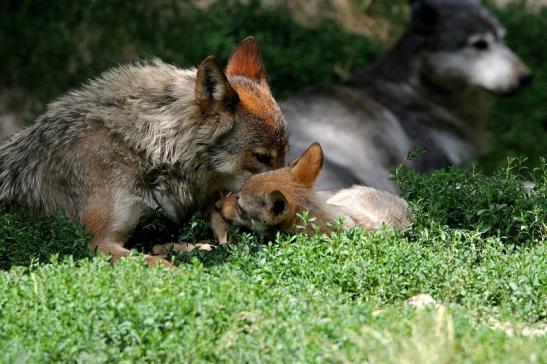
x: 426, y: 92
x: 148, y: 135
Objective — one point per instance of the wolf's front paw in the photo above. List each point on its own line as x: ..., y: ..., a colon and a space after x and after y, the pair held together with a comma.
x: 205, y: 245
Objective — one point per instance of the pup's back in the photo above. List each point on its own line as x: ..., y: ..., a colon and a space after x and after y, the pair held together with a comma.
x: 370, y: 207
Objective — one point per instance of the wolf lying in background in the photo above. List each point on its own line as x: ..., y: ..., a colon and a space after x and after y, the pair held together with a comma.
x: 425, y: 92
x: 146, y: 136
x: 272, y: 201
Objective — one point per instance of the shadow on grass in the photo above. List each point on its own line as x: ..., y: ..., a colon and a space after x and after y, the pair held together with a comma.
x: 25, y: 238
x: 155, y: 228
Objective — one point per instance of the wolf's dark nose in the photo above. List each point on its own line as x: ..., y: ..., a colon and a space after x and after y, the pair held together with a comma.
x: 525, y: 79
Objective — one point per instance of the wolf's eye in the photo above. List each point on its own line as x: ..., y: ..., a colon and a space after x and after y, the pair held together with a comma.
x: 263, y: 158
x: 480, y: 45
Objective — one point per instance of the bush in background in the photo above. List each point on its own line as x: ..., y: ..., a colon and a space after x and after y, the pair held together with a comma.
x: 52, y: 46
x: 502, y: 206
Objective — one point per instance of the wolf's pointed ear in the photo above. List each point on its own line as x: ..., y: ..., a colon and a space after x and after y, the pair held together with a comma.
x: 306, y: 168
x: 245, y: 61
x: 212, y: 86
x: 277, y: 203
x: 425, y: 17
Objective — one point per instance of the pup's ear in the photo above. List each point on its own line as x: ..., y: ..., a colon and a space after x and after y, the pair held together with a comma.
x: 212, y: 87
x: 277, y: 203
x: 306, y: 168
x: 245, y: 61
x: 425, y: 17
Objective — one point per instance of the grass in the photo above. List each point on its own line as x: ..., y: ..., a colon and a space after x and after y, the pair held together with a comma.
x: 249, y: 309
x: 340, y: 297
x: 24, y: 238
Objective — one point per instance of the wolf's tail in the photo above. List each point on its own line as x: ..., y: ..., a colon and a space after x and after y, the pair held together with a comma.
x: 19, y: 171
x: 8, y: 173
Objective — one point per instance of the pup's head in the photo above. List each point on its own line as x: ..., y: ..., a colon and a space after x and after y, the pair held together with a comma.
x: 251, y: 133
x: 462, y: 43
x: 272, y: 199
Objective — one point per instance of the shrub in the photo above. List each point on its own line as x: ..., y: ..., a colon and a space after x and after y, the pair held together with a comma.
x: 500, y: 206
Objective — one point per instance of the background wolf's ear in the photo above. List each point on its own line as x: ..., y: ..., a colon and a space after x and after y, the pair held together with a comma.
x: 306, y: 168
x: 245, y: 61
x: 277, y: 203
x: 212, y: 87
x: 425, y: 17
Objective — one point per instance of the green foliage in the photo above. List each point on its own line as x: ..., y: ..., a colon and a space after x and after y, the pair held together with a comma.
x: 63, y: 44
x: 304, y: 297
x: 519, y: 123
x: 307, y: 299
x: 25, y: 238
x: 499, y: 206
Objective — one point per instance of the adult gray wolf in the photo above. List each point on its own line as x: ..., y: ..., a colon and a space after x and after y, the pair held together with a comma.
x: 425, y: 92
x: 146, y: 136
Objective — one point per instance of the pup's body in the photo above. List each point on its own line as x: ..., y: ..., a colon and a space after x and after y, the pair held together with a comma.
x: 371, y: 208
x: 274, y: 200
x: 146, y: 136
x: 426, y: 92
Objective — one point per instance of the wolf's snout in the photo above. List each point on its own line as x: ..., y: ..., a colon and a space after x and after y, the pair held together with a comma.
x: 525, y: 79
x: 521, y: 80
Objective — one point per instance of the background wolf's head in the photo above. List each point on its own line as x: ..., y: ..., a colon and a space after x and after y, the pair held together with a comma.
x: 463, y: 43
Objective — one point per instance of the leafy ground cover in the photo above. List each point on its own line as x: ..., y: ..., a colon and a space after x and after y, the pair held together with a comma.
x: 477, y: 246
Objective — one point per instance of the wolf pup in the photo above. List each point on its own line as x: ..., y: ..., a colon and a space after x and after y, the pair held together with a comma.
x: 146, y: 136
x: 426, y: 92
x: 273, y: 200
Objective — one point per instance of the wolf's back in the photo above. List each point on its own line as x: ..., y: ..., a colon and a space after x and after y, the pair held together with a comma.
x: 17, y: 169
x: 127, y: 111
x: 34, y: 160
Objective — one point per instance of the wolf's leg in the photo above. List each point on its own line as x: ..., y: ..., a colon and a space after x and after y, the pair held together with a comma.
x: 220, y: 227
x: 111, y: 220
